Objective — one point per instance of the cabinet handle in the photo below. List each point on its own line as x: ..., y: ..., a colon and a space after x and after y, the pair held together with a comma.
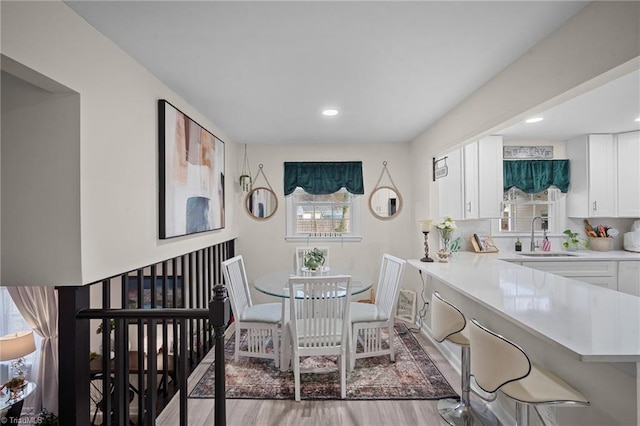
x: 469, y: 206
x: 595, y: 206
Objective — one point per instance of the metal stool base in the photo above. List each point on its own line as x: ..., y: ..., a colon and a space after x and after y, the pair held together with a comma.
x: 457, y: 414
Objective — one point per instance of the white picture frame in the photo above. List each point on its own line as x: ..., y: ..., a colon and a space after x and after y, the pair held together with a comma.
x: 407, y: 306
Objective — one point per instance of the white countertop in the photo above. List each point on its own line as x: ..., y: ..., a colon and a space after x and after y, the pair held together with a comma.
x: 595, y: 323
x: 579, y: 255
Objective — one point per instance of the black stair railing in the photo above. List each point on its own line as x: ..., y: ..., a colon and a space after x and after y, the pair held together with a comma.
x: 160, y: 309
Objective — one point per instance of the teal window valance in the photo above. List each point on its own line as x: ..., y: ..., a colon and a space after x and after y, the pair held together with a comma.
x: 323, y: 177
x: 533, y: 176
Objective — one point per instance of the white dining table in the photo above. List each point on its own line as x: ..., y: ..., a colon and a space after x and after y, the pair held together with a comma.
x: 277, y: 284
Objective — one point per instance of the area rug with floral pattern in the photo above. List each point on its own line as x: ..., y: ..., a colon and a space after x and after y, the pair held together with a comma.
x: 413, y: 375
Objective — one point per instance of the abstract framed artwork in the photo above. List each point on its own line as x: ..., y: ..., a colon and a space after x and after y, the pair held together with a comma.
x: 191, y: 175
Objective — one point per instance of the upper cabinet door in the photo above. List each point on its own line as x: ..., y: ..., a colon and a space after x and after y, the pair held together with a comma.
x: 471, y: 180
x: 473, y: 187
x: 593, y: 190
x: 602, y: 176
x: 629, y: 174
x: 490, y: 182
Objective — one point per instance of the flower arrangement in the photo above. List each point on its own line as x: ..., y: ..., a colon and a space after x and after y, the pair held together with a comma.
x: 445, y: 226
x: 314, y: 258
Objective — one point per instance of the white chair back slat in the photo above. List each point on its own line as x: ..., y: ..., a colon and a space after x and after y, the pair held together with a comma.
x: 389, y: 283
x: 237, y: 285
x: 258, y: 329
x: 367, y: 337
x: 318, y: 311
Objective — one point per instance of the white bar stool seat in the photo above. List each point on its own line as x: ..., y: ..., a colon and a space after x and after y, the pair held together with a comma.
x: 499, y: 364
x: 448, y: 323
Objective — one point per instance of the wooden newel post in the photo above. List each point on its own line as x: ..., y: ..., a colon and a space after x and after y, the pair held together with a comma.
x: 219, y: 315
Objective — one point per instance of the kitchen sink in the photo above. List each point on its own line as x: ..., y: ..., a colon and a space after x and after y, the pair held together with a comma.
x: 543, y: 254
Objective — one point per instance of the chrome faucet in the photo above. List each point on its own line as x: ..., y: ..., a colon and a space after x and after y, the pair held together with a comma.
x: 533, y: 241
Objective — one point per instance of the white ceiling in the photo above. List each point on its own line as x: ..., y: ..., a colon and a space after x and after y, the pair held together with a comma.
x: 262, y: 71
x: 610, y: 108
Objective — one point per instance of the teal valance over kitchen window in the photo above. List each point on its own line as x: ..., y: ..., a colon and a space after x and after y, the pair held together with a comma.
x: 533, y: 176
x: 323, y: 177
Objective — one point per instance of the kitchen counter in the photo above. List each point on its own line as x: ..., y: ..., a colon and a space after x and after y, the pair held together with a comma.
x: 579, y: 255
x: 586, y: 334
x: 594, y: 323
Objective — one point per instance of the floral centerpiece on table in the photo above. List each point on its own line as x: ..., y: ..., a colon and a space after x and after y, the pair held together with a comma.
x: 446, y: 226
x: 314, y: 259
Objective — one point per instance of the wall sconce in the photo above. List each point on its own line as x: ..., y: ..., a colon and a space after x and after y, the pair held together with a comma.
x: 14, y: 347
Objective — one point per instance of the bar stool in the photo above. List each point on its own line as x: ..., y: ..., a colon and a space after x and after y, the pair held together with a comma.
x: 499, y: 364
x: 448, y: 323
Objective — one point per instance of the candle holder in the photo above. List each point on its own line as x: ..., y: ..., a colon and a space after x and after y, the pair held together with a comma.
x: 426, y: 257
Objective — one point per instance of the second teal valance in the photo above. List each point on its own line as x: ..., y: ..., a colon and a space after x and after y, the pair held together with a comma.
x: 533, y: 176
x: 323, y: 177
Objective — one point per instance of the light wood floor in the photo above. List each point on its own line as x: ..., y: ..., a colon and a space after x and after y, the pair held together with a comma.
x: 242, y: 412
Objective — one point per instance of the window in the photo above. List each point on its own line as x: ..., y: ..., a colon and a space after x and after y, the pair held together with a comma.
x: 322, y: 217
x: 519, y: 209
x: 11, y: 321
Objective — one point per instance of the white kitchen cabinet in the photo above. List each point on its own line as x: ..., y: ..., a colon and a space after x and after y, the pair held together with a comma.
x: 471, y: 180
x: 473, y: 187
x: 593, y: 176
x: 629, y: 277
x: 601, y: 273
x: 628, y: 168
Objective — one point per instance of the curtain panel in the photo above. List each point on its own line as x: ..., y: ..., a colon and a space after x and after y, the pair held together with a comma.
x: 39, y: 307
x: 319, y: 178
x: 533, y: 176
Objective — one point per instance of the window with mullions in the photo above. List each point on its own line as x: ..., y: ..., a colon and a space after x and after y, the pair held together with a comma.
x: 326, y: 216
x: 519, y: 209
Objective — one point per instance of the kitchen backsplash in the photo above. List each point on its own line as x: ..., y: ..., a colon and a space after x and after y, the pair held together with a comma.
x: 506, y: 242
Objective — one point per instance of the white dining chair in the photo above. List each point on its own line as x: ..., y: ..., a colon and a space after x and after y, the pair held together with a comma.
x: 319, y: 324
x: 260, y: 321
x: 499, y: 364
x: 301, y: 252
x: 369, y: 319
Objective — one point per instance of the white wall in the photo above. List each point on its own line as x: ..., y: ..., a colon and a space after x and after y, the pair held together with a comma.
x: 40, y: 184
x: 118, y: 153
x: 597, y: 45
x: 262, y: 243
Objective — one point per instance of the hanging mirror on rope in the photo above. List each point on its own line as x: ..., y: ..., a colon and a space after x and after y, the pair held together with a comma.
x: 385, y: 202
x: 261, y: 202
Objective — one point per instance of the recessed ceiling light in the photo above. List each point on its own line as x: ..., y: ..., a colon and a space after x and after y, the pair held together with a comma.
x: 638, y: 119
x: 534, y: 120
x: 330, y: 112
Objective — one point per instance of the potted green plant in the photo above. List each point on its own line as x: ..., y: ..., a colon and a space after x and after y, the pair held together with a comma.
x: 574, y: 241
x: 313, y: 259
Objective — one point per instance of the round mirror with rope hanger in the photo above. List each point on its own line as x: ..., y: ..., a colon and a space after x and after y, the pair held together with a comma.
x: 261, y: 202
x: 385, y: 202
